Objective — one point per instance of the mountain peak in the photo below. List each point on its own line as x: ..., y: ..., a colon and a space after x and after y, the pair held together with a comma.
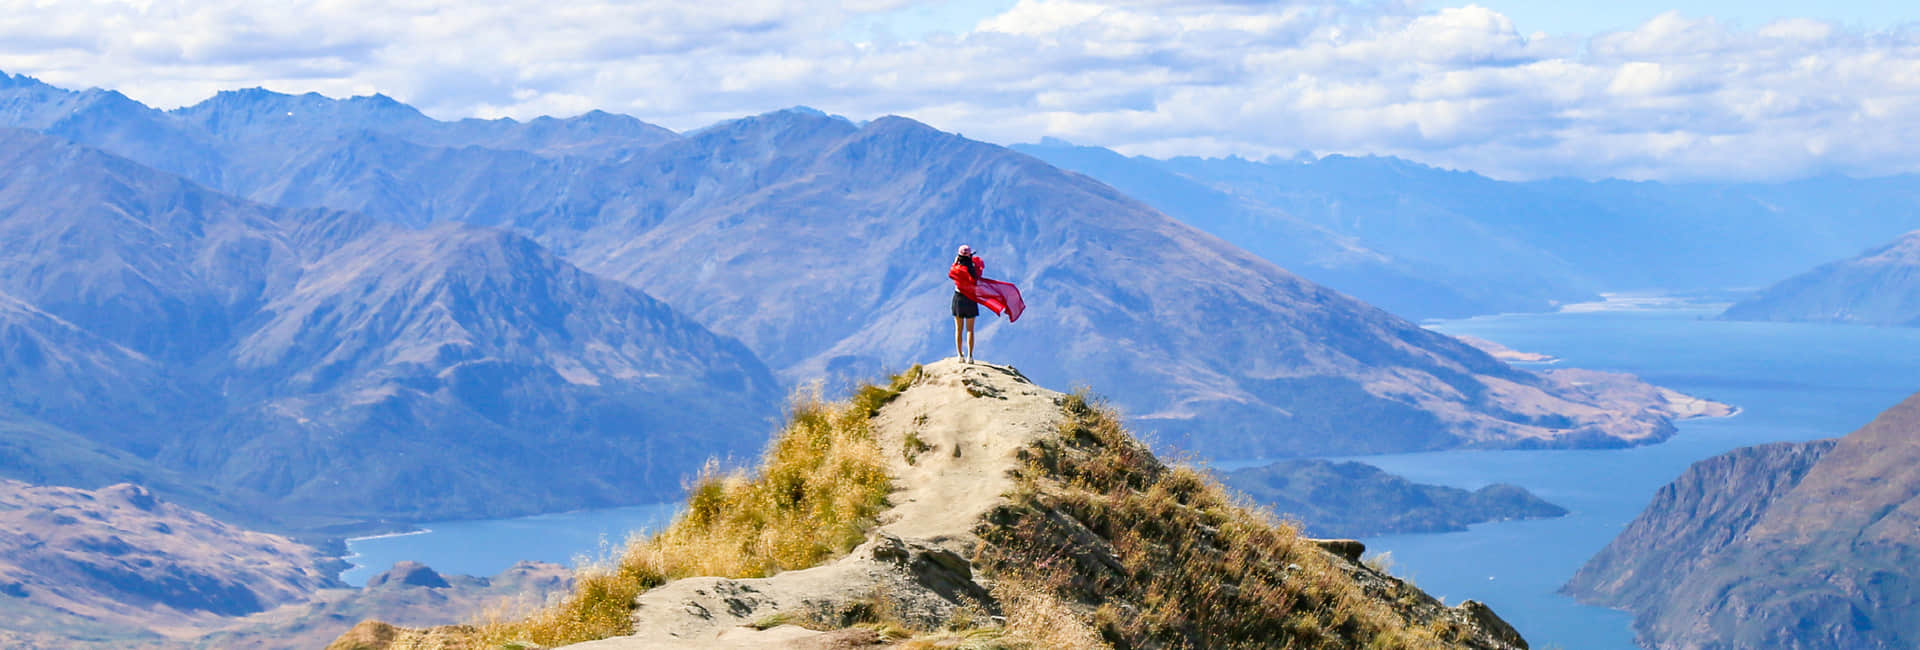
x: 20, y: 81
x: 890, y: 122
x: 793, y: 123
x: 254, y: 112
x: 250, y: 95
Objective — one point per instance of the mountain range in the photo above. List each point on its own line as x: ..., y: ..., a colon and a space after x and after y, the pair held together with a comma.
x: 346, y: 309
x: 1433, y: 243
x: 333, y: 367
x: 1786, y: 545
x: 1878, y: 287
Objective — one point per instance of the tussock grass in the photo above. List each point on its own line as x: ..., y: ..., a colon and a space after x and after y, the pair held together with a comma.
x: 1159, y: 557
x: 1038, y: 618
x: 813, y: 498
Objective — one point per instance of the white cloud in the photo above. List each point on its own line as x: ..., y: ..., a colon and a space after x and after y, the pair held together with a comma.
x: 1676, y: 97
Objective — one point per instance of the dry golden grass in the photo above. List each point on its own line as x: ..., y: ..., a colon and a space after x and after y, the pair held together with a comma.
x: 814, y: 498
x: 1184, y: 565
x: 1037, y: 617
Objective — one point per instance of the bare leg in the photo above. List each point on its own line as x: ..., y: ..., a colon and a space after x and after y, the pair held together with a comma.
x: 969, y: 340
x: 958, y: 333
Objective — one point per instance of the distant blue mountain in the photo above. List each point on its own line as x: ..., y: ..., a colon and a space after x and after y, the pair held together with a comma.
x: 1430, y: 269
x: 1503, y: 246
x: 1878, y: 287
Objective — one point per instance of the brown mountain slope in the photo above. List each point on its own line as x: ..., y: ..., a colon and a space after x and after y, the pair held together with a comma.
x: 1809, y: 545
x: 116, y: 565
x: 1868, y: 486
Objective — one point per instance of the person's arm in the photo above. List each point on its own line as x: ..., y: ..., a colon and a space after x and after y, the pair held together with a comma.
x: 980, y: 264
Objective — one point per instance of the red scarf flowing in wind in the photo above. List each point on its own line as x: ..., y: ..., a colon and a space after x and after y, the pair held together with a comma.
x: 1001, y: 297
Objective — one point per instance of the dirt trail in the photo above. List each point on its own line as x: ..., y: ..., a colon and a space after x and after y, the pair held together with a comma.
x: 950, y: 441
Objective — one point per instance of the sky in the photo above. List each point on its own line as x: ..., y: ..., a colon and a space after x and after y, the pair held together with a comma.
x: 1701, y: 90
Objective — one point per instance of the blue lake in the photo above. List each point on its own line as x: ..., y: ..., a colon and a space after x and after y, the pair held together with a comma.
x: 488, y: 546
x: 1792, y: 382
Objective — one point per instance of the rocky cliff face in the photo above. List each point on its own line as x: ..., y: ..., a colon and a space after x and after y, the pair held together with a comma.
x: 1692, y: 519
x: 1781, y: 546
x: 1879, y: 287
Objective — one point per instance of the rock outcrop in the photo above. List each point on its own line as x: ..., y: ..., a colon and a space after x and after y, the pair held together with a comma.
x: 1787, y: 545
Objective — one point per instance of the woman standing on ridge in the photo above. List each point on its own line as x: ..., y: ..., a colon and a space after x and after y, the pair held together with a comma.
x: 970, y: 290
x: 966, y: 274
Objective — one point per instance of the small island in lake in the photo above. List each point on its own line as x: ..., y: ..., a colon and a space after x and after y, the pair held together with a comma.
x: 1352, y: 499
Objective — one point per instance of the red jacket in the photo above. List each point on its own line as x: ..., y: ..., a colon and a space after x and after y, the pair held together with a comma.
x: 1001, y: 297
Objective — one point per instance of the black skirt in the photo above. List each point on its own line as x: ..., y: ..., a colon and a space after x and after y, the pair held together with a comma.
x: 964, y: 307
